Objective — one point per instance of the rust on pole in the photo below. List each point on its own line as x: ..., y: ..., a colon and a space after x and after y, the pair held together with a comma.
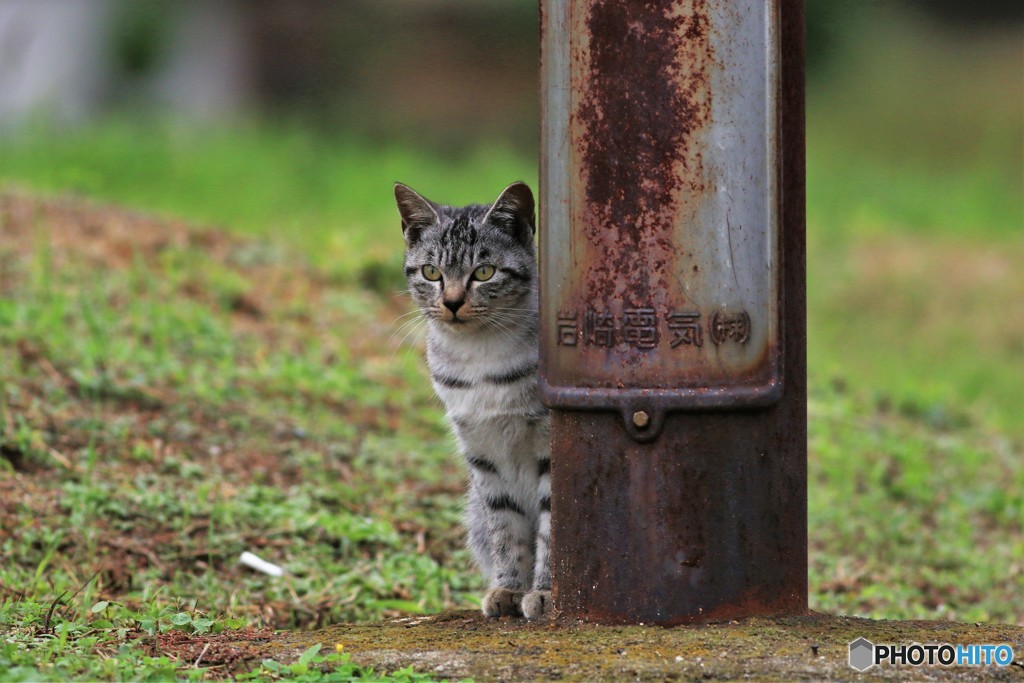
x: 672, y: 315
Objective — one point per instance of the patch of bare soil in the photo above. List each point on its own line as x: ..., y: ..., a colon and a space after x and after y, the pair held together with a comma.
x: 224, y: 654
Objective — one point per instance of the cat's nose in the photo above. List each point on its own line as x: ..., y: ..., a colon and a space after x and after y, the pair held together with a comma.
x: 454, y: 306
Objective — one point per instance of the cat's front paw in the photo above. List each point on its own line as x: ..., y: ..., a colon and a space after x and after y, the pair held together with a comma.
x: 499, y: 602
x: 536, y: 604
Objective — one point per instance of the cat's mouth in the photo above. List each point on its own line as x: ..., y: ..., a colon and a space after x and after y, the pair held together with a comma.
x: 463, y: 316
x: 452, y: 318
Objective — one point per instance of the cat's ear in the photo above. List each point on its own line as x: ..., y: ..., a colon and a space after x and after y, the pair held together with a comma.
x: 417, y: 212
x: 514, y: 211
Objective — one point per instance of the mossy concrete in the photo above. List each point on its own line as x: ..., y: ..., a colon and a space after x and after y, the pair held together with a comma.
x: 459, y: 645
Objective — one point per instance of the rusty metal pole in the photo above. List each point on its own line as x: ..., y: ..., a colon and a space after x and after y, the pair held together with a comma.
x: 673, y: 307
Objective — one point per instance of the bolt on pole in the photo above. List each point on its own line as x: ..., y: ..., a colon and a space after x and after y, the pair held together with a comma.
x: 672, y: 321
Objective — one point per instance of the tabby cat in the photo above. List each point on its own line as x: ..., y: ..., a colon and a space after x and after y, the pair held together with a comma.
x: 472, y: 272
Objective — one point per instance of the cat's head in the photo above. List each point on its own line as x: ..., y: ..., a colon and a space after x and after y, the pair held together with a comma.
x: 470, y: 267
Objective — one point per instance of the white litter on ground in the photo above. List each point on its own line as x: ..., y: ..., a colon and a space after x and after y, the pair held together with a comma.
x: 260, y: 565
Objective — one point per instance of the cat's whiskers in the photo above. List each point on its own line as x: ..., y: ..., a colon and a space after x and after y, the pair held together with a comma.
x: 518, y: 309
x: 516, y: 317
x: 513, y: 313
x: 516, y: 320
x: 407, y: 327
x: 416, y: 328
x: 415, y: 312
x: 397, y: 343
x: 406, y: 315
x: 497, y: 326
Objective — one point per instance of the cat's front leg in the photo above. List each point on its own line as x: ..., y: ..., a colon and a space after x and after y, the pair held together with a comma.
x: 510, y: 543
x: 512, y: 559
x: 537, y: 602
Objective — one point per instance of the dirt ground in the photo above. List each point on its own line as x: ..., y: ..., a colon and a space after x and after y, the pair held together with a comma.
x: 813, y: 647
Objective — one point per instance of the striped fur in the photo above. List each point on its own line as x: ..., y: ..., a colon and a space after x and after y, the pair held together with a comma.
x: 482, y: 355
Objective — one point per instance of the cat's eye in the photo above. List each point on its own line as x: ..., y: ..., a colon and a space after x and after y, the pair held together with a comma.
x: 483, y: 273
x: 432, y: 273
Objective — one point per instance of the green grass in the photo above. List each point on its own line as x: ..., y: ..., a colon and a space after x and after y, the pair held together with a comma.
x: 172, y: 396
x: 915, y: 513
x: 151, y: 432
x: 329, y: 197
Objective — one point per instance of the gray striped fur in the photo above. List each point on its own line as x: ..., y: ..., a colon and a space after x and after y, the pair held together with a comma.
x: 482, y: 355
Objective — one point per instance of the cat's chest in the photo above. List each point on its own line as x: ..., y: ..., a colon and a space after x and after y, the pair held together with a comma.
x: 483, y: 378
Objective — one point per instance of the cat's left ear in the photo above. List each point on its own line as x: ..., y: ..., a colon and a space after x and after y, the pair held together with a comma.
x: 514, y: 211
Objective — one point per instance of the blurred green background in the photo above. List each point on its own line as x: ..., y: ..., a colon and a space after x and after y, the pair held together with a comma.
x: 292, y: 119
x: 287, y: 401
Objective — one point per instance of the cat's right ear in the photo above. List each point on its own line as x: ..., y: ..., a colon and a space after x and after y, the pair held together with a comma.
x: 416, y: 210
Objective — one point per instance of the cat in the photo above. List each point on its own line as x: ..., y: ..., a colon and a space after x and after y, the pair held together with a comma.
x: 472, y: 273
